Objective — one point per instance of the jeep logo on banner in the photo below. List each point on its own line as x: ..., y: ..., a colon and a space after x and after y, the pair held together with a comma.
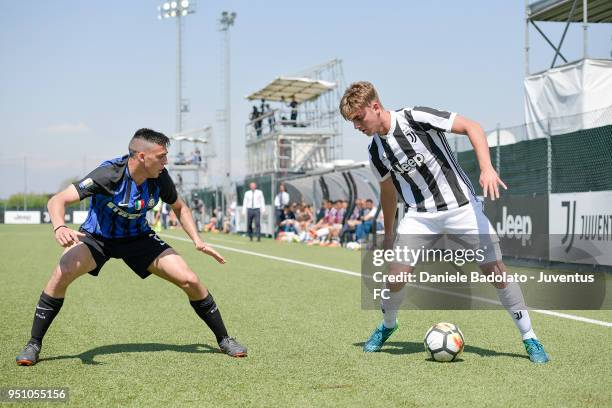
x: 521, y: 223
x: 515, y: 226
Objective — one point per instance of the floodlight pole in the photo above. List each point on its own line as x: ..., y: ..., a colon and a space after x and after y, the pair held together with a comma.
x: 226, y: 21
x: 177, y: 9
x: 25, y: 183
x: 179, y: 83
x: 527, y: 37
x: 585, y: 29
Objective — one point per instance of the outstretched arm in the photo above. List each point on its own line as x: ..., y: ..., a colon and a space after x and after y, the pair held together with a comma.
x: 57, y: 211
x: 489, y: 180
x: 183, y: 213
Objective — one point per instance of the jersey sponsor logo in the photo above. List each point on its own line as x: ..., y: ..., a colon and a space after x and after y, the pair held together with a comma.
x: 85, y: 184
x: 409, y: 165
x: 123, y: 213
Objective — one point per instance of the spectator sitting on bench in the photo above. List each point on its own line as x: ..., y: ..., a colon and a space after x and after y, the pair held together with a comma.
x: 356, y: 217
x: 211, y: 226
x: 287, y: 222
x: 335, y: 225
x: 320, y: 230
x: 363, y: 229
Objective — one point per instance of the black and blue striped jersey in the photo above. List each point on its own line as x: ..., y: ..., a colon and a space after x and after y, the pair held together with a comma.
x: 118, y: 205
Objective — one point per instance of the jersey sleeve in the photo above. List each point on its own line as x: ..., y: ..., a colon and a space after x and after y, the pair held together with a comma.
x: 101, y: 180
x: 167, y: 189
x: 439, y: 120
x: 381, y: 172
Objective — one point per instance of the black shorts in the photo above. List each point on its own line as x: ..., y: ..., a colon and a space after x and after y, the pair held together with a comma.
x: 137, y: 252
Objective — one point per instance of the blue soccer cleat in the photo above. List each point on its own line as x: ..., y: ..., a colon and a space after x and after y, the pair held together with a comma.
x: 536, y: 352
x: 378, y: 338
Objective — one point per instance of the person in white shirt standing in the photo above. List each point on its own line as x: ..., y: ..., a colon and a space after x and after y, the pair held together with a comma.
x: 253, y: 206
x: 280, y: 201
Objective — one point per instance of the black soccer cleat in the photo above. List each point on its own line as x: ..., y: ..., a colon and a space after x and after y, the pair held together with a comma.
x: 29, y: 355
x: 232, y: 348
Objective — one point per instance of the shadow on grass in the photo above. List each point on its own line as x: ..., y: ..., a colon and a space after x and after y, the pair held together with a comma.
x: 88, y: 357
x: 411, y: 347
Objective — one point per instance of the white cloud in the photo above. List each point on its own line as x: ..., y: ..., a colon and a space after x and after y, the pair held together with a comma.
x: 67, y: 129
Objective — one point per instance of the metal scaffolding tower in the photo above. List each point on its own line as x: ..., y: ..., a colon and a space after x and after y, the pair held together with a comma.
x: 566, y: 11
x: 297, y: 126
x: 191, y: 171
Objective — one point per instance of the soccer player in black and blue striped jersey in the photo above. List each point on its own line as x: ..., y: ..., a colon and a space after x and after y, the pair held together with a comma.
x: 122, y: 190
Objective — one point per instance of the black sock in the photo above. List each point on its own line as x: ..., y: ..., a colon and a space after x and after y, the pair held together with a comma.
x: 47, y: 308
x: 208, y: 311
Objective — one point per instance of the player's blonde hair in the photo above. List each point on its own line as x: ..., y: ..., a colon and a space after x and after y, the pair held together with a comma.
x: 358, y: 95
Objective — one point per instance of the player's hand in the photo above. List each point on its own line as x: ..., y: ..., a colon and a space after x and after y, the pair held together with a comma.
x: 208, y: 250
x: 67, y: 237
x: 490, y: 182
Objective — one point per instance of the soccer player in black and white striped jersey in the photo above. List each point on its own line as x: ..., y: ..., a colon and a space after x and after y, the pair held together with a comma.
x: 410, y: 156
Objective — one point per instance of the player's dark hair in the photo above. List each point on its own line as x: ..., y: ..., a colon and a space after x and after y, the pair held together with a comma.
x: 150, y: 136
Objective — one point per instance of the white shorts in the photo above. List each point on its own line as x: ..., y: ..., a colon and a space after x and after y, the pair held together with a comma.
x: 467, y: 226
x: 322, y: 232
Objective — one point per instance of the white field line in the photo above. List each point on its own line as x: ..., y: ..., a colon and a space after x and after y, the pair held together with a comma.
x: 359, y: 275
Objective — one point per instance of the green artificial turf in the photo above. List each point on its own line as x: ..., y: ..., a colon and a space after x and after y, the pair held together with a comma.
x: 122, y: 341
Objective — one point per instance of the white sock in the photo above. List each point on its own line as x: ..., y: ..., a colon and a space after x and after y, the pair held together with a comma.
x: 391, y: 306
x: 512, y: 299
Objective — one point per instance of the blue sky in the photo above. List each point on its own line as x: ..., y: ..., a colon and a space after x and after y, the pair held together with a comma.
x: 78, y: 78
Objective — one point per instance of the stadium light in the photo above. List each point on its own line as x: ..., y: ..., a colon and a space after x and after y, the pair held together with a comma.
x: 178, y: 10
x: 226, y: 20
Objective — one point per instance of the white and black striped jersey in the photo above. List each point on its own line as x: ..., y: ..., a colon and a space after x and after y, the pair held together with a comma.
x: 417, y: 157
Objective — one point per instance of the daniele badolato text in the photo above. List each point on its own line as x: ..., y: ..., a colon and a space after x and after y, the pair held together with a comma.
x: 478, y: 277
x: 455, y: 274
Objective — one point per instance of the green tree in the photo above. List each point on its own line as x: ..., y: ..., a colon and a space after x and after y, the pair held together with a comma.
x: 19, y: 201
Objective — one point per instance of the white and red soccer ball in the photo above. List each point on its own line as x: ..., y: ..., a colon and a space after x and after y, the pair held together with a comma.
x: 444, y: 342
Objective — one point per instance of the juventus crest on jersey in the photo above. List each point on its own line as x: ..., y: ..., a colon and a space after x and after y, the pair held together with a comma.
x: 417, y: 157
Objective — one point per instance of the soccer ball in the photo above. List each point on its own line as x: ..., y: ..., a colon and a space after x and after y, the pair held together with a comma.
x: 444, y: 342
